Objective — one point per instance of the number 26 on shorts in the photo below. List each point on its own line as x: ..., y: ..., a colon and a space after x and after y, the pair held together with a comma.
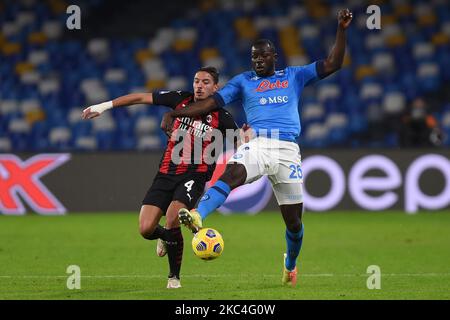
x: 296, y: 172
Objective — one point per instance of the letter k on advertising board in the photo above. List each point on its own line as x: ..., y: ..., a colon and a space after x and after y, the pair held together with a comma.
x: 22, y: 178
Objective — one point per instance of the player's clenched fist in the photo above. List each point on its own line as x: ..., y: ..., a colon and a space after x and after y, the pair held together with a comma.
x: 344, y: 18
x: 167, y: 123
x: 96, y: 110
x: 246, y: 133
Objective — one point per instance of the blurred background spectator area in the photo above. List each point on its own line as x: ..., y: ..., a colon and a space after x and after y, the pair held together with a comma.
x: 48, y: 73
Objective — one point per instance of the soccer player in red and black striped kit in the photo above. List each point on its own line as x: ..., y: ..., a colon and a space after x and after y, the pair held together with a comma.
x: 176, y: 185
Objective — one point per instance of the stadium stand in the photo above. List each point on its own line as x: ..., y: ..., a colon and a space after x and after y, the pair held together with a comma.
x: 48, y: 73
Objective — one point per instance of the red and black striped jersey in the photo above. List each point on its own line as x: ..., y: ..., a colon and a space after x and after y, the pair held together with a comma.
x: 191, y: 134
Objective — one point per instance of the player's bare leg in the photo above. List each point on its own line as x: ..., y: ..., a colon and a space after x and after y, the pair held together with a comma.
x: 148, y: 220
x: 292, y: 215
x: 234, y: 176
x: 149, y: 227
x: 174, y: 243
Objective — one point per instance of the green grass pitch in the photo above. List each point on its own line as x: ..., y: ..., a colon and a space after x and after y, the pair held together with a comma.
x: 412, y: 251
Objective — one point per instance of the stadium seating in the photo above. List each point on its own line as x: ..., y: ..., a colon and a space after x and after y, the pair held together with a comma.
x: 48, y: 77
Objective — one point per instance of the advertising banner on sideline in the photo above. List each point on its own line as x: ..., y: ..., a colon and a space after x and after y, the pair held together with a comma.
x: 408, y: 180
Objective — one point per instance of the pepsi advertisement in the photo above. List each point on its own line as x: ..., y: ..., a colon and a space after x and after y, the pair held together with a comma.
x: 63, y: 183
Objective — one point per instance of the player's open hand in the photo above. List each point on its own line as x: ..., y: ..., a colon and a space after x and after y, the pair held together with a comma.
x: 88, y: 114
x: 344, y: 18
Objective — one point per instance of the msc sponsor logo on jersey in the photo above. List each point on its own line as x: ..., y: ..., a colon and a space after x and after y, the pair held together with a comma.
x: 266, y: 85
x: 271, y: 100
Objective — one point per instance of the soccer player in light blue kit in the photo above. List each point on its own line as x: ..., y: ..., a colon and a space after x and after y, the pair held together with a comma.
x: 270, y: 99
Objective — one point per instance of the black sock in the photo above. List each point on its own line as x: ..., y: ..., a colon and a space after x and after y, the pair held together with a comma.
x: 158, y: 233
x: 174, y: 245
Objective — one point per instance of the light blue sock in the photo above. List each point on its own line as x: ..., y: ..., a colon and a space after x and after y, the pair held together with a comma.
x: 213, y: 198
x: 294, y: 244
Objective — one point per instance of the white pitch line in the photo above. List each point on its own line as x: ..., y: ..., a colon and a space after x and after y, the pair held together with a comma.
x: 226, y: 275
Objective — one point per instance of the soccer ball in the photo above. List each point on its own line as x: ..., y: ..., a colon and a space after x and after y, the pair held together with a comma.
x: 207, y: 244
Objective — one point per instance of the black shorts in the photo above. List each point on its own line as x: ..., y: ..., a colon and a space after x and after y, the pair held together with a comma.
x: 186, y: 188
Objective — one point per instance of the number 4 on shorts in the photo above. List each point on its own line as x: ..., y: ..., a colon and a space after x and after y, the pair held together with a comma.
x: 188, y: 185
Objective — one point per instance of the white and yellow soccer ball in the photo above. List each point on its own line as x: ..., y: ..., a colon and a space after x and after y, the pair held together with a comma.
x: 207, y: 244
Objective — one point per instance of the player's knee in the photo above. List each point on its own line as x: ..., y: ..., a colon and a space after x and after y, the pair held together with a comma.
x: 234, y: 175
x: 293, y: 223
x: 292, y: 215
x: 294, y: 226
x: 146, y: 228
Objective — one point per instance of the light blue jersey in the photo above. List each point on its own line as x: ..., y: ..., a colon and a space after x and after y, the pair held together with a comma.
x: 270, y: 102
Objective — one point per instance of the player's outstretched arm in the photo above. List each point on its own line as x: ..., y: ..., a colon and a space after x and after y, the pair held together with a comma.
x: 195, y: 109
x: 336, y: 57
x: 126, y: 100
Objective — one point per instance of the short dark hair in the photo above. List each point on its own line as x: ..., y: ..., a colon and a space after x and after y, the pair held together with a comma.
x: 212, y: 71
x: 264, y: 42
